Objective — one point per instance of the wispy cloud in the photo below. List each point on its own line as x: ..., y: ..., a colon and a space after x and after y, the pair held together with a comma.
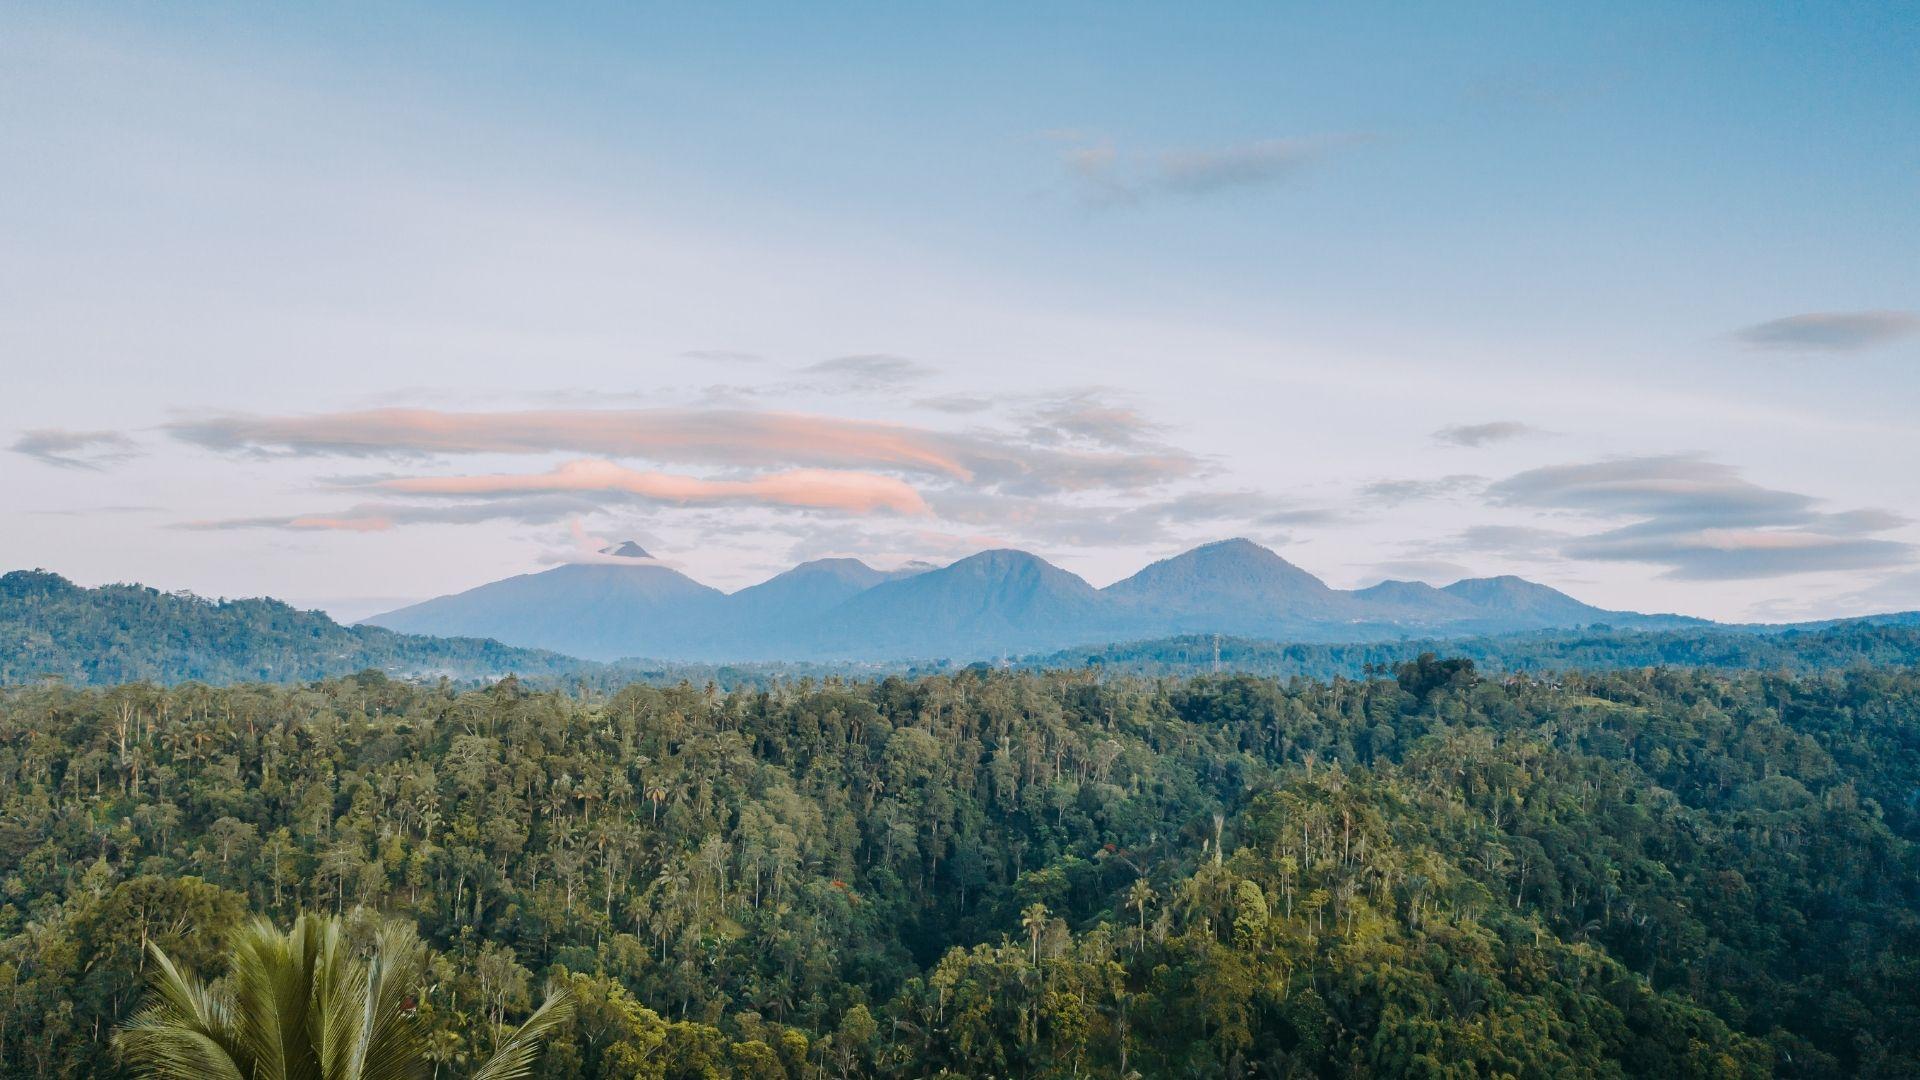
x: 810, y: 489
x: 1702, y: 520
x: 94, y: 450
x: 380, y: 517
x: 870, y: 371
x: 1395, y: 492
x: 1154, y: 521
x: 731, y: 438
x: 1477, y: 435
x: 1087, y: 417
x: 707, y: 436
x: 1106, y: 175
x: 1200, y: 172
x: 957, y: 403
x: 1831, y: 331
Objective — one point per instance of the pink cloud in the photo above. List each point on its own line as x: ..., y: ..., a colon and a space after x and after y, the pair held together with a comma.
x: 719, y: 436
x: 815, y: 489
x: 341, y: 524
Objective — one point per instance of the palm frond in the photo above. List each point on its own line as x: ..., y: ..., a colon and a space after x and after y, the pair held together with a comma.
x: 187, y: 1032
x: 303, y: 1006
x: 514, y: 1058
x: 339, y: 990
x: 158, y: 1048
x: 272, y: 980
x: 391, y: 1045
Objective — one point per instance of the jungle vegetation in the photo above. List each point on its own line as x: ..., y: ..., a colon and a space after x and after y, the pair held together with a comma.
x: 1428, y: 871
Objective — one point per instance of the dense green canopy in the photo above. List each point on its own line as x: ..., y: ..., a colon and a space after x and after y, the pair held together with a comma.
x: 1432, y: 872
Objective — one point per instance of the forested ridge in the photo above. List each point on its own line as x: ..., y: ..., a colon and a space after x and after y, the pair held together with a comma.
x: 1876, y: 641
x: 1006, y: 874
x: 52, y: 628
x: 131, y: 633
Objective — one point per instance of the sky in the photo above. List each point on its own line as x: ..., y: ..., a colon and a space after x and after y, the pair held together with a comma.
x: 357, y: 305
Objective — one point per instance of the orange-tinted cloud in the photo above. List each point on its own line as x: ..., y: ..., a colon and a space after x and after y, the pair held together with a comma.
x: 814, y: 489
x: 713, y: 437
x: 343, y: 524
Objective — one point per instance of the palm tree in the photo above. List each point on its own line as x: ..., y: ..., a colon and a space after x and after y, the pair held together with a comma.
x: 303, y: 1006
x: 1139, y: 895
x: 1035, y: 921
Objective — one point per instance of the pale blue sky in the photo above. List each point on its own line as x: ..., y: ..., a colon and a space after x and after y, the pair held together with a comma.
x: 1200, y: 273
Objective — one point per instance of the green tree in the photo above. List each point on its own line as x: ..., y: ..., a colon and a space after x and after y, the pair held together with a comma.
x: 1139, y: 895
x: 1034, y: 920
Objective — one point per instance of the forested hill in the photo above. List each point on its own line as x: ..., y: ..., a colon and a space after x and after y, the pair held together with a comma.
x: 1650, y: 874
x: 131, y: 633
x: 127, y: 633
x: 1880, y: 641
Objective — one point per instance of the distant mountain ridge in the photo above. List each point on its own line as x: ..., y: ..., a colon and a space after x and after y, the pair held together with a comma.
x: 130, y: 633
x: 992, y: 604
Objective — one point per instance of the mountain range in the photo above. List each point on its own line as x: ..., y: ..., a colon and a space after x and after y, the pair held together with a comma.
x: 992, y: 604
x: 122, y: 633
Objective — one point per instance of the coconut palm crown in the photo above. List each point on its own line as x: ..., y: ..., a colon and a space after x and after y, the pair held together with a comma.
x: 306, y: 1005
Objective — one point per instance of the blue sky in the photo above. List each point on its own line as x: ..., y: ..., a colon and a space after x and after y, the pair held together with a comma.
x: 1618, y: 298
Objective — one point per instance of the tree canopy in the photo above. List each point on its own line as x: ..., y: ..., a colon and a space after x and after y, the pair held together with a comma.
x: 1429, y: 871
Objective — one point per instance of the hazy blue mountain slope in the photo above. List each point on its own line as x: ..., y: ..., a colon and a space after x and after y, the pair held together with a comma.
x: 987, y: 604
x: 980, y: 607
x: 806, y: 591
x: 1515, y: 603
x: 1233, y: 586
x: 593, y: 610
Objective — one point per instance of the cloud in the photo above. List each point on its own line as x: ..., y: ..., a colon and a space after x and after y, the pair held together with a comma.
x: 94, y: 450
x: 1831, y: 331
x: 1085, y: 417
x: 706, y: 436
x: 715, y: 437
x: 957, y: 403
x: 1898, y: 591
x: 1740, y: 554
x: 1684, y: 489
x: 1702, y: 520
x: 722, y: 356
x: 1394, y: 492
x: 810, y: 489
x: 871, y: 371
x: 579, y: 488
x: 1105, y: 175
x: 1477, y: 435
x: 381, y: 517
x: 1077, y: 524
x: 1199, y: 172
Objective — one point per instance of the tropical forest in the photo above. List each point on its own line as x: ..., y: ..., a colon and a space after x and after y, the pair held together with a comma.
x: 1427, y: 871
